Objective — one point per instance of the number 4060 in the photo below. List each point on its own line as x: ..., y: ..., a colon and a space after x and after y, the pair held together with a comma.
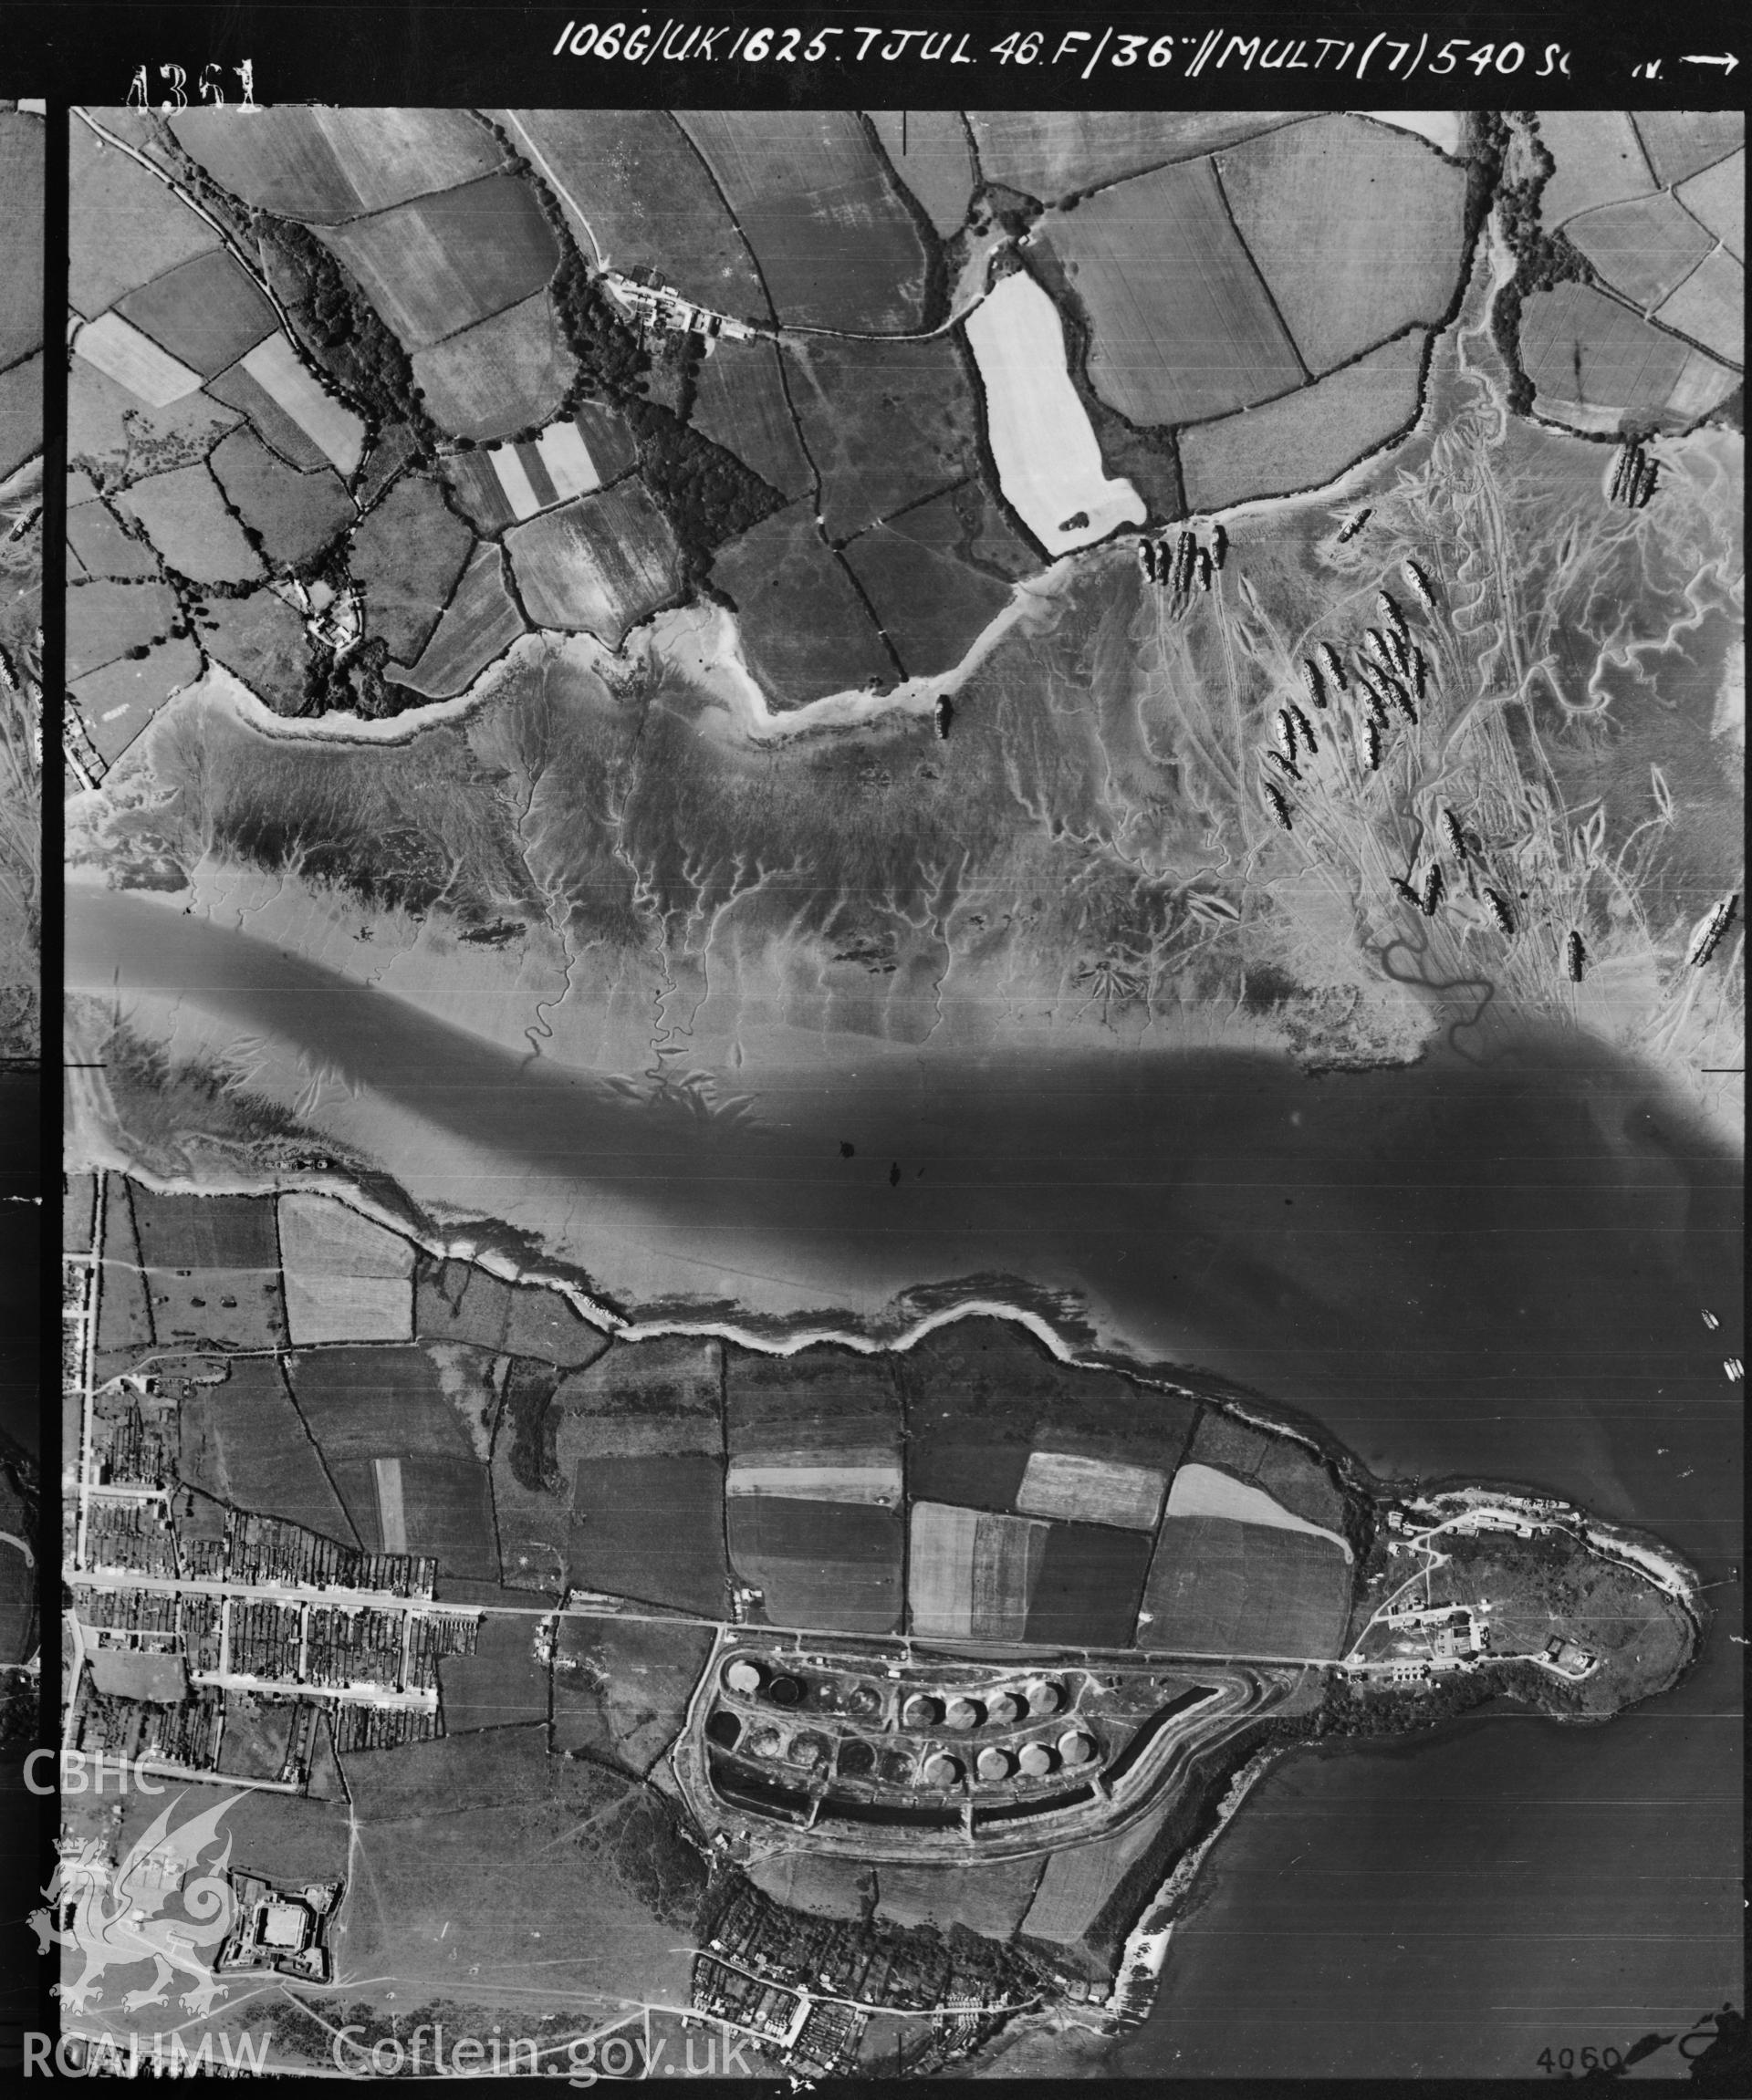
x: 1554, y: 2061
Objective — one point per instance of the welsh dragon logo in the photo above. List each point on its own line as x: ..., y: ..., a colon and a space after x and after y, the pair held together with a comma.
x: 117, y: 1916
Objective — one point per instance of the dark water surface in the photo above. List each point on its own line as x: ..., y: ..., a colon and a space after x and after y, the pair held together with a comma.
x: 1496, y: 1272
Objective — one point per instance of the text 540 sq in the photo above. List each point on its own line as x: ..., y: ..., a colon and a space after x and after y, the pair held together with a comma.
x: 1082, y: 50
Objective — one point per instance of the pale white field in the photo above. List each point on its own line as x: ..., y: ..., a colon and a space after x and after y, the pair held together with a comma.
x: 1202, y: 1492
x: 336, y: 430
x: 1090, y: 1490
x: 1048, y: 459
x: 940, y: 1569
x: 873, y: 1477
x: 391, y: 1512
x: 133, y: 360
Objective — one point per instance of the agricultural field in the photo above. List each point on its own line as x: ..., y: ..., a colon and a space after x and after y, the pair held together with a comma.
x: 981, y: 1396
x: 322, y: 166
x: 884, y: 423
x: 1182, y: 325
x: 621, y: 1688
x: 78, y: 1212
x: 435, y: 265
x: 134, y: 361
x: 990, y: 1900
x: 1584, y: 352
x: 185, y: 1232
x: 504, y: 1684
x: 21, y: 414
x: 603, y: 563
x: 408, y: 554
x: 206, y: 312
x: 329, y: 423
x: 125, y: 228
x: 540, y: 1860
x: 1078, y: 1885
x: 503, y: 375
x: 184, y: 516
x: 662, y: 1395
x: 540, y: 1323
x: 1717, y: 198
x: 971, y: 1574
x: 932, y: 153
x: 1599, y: 161
x: 1681, y: 143
x: 106, y: 620
x: 509, y: 482
x: 1049, y: 463
x: 930, y: 604
x: 292, y: 515
x: 1643, y: 247
x: 740, y: 403
x: 648, y: 198
x: 652, y: 1528
x: 818, y: 1885
x: 114, y: 437
x: 1219, y: 1587
x: 479, y: 624
x: 213, y: 1269
x: 347, y: 1280
x: 1709, y: 306
x: 96, y: 544
x: 1090, y: 1587
x: 261, y: 641
x: 114, y: 704
x: 240, y: 389
x: 124, y: 1304
x: 422, y: 1503
x: 803, y: 624
x: 1359, y: 231
x: 1310, y: 438
x: 1202, y: 1490
x: 244, y: 1442
x: 1090, y: 1490
x: 457, y: 1302
x: 639, y: 1436
x: 835, y: 1565
x: 367, y: 1403
x: 1055, y: 154
x: 529, y: 1504
x: 1644, y: 203
x: 826, y: 1409
x: 836, y: 246
x: 21, y: 212
x: 1285, y: 1469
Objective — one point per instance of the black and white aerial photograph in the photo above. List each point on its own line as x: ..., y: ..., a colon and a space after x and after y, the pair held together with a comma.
x: 905, y: 1038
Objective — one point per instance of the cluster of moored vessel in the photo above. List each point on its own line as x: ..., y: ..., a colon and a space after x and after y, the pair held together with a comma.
x: 1185, y: 567
x: 1634, y: 476
x: 1384, y: 686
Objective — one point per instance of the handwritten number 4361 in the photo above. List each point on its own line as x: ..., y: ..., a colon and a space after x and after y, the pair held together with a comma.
x: 210, y: 87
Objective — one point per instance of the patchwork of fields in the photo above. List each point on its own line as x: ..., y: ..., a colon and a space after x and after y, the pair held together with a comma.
x: 597, y: 360
x: 373, y: 393
x: 1648, y: 320
x: 973, y: 1488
